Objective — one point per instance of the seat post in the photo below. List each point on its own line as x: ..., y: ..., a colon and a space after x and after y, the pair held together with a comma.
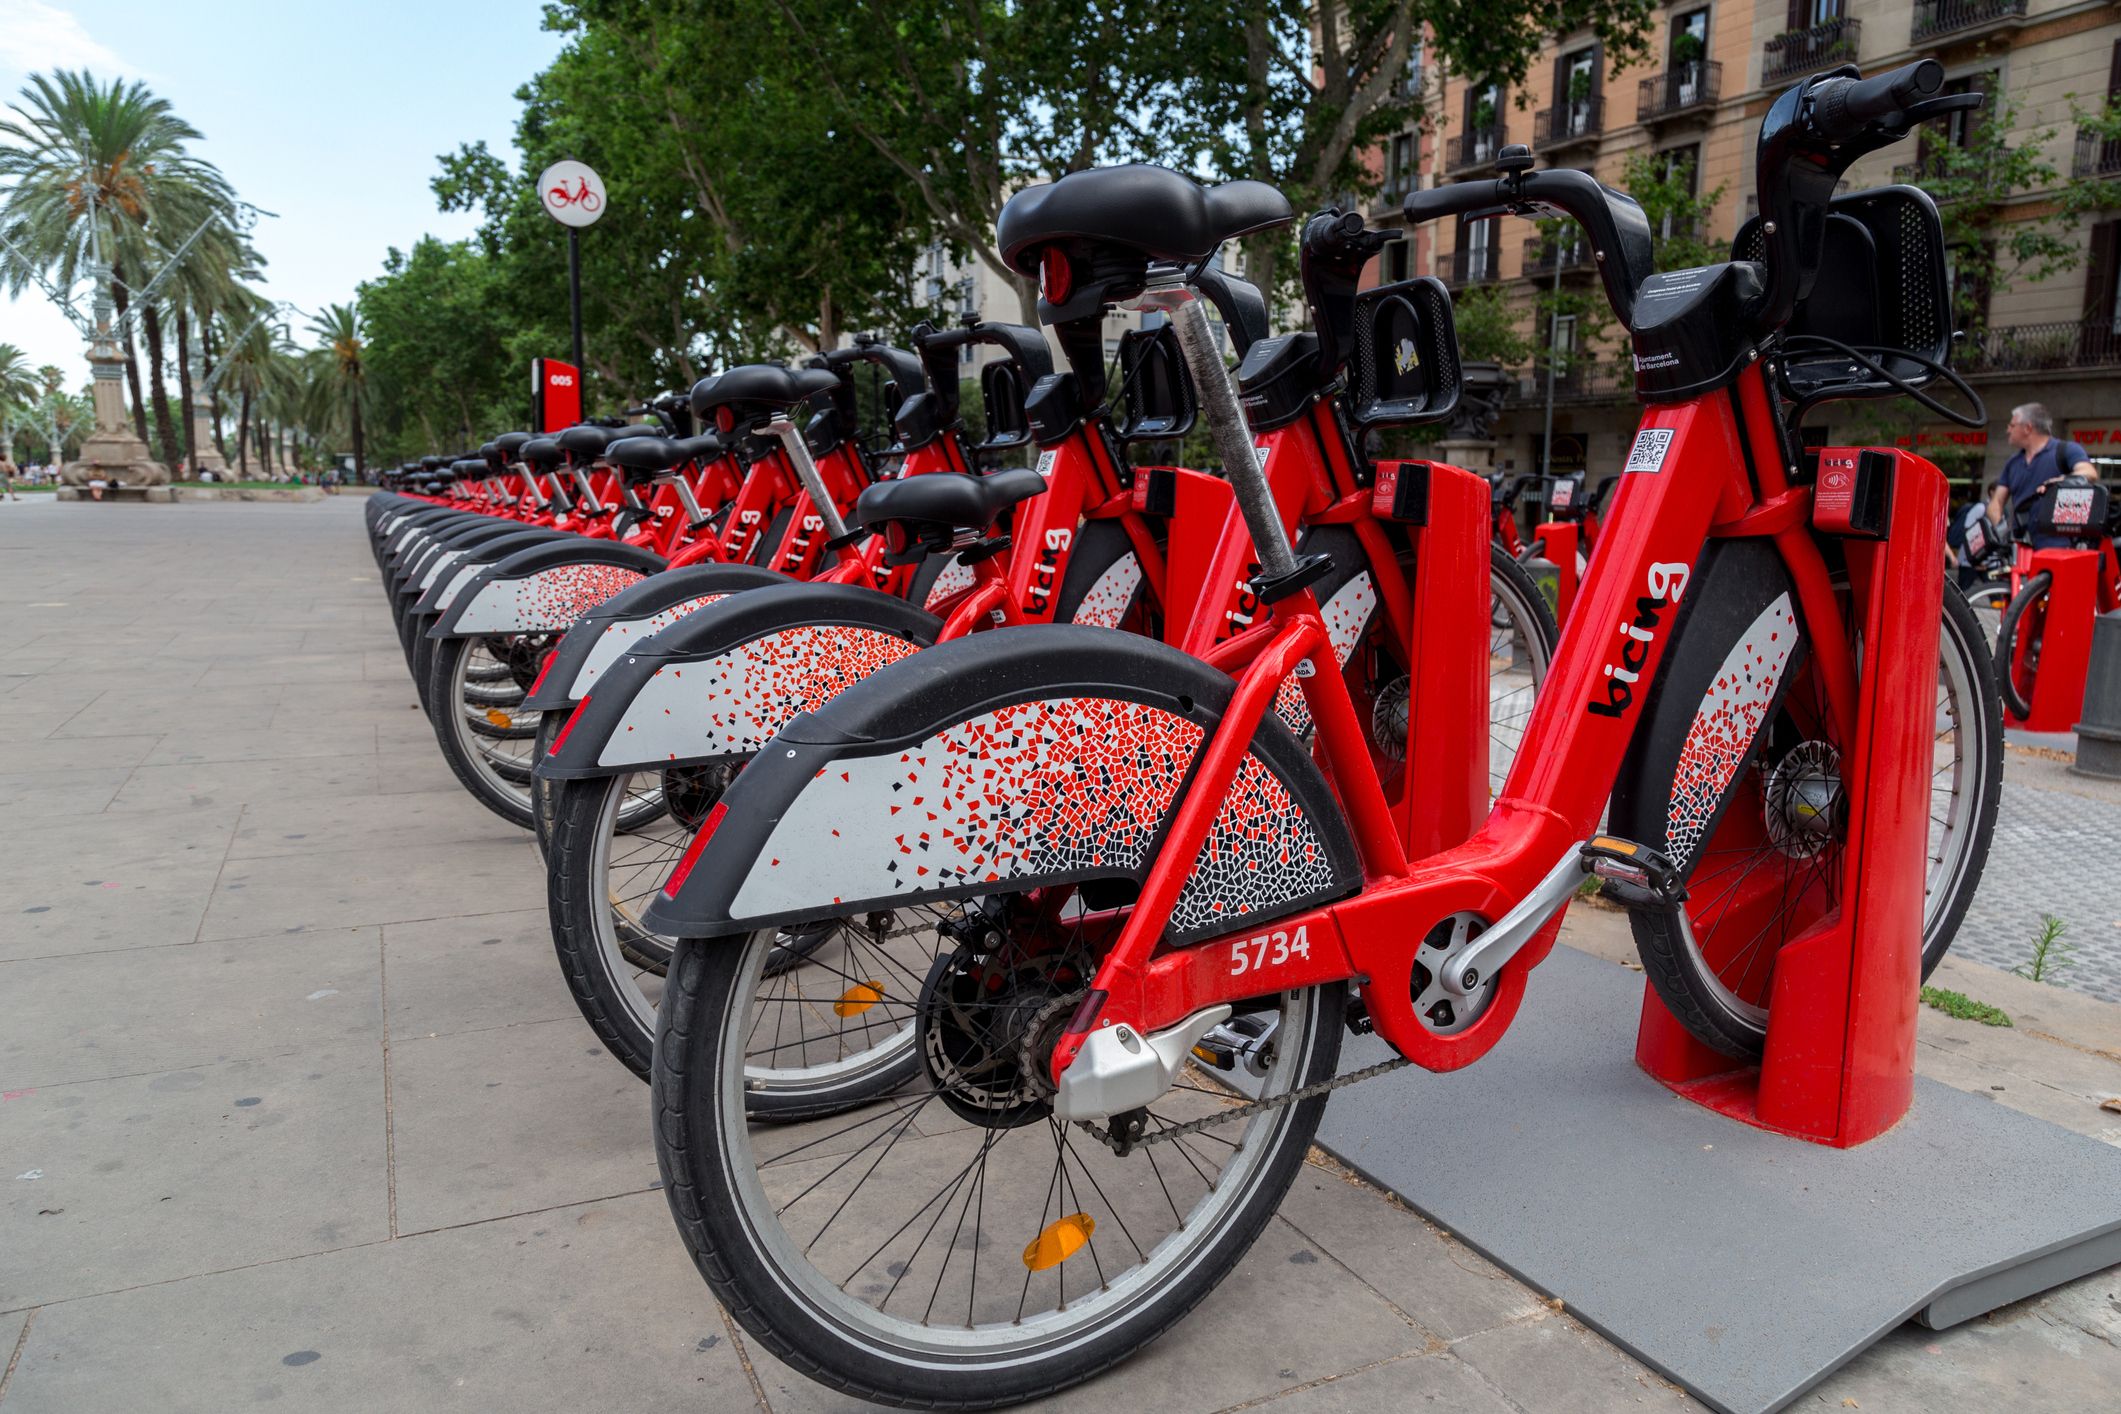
x: 791, y: 438
x: 1168, y: 291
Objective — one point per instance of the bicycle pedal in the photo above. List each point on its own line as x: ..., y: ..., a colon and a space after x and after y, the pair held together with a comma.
x: 1240, y: 1040
x: 1634, y: 875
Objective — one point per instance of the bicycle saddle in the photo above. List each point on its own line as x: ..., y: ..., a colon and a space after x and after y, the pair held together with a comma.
x: 542, y: 453
x: 762, y: 384
x: 510, y: 444
x: 430, y: 464
x: 946, y: 498
x: 656, y: 454
x: 1154, y: 210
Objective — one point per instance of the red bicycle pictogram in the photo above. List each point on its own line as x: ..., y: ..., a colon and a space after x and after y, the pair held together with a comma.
x: 582, y: 196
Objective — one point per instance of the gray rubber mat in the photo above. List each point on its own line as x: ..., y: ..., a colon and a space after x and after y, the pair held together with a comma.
x: 1742, y: 1265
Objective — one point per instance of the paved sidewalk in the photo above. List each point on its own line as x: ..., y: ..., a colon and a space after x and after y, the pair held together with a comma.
x: 295, y: 1110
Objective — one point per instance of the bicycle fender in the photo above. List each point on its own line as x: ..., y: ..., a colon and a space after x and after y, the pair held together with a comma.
x: 455, y: 568
x: 1008, y: 761
x: 717, y: 684
x: 627, y: 618
x: 546, y: 588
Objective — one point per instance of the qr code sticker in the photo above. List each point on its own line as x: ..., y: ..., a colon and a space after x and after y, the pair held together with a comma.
x: 1651, y: 443
x: 2073, y: 506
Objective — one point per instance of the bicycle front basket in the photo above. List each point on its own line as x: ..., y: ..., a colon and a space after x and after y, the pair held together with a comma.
x: 1406, y: 355
x: 1157, y: 402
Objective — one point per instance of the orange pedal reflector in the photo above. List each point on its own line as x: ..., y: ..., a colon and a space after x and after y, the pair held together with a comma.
x: 1060, y: 1241
x: 859, y: 998
x: 499, y: 718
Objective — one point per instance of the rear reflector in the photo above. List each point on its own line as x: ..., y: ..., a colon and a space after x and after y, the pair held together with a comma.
x: 692, y: 851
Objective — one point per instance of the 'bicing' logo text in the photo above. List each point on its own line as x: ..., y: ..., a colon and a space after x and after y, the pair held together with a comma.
x: 1666, y: 582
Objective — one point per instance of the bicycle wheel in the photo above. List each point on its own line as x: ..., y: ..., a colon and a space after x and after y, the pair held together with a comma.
x: 489, y: 748
x: 2026, y: 614
x: 878, y: 1253
x: 1757, y: 825
x: 1988, y: 601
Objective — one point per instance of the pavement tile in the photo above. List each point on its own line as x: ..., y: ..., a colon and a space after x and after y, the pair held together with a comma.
x: 589, y: 1308
x: 2058, y: 1351
x: 145, y: 1178
x: 512, y: 1120
x: 295, y: 893
x: 1554, y: 1366
x: 327, y: 735
x: 345, y: 827
x: 302, y: 669
x: 1440, y: 1382
x: 94, y: 883
x: 208, y: 783
x: 81, y: 753
x: 470, y: 974
x: 78, y: 790
x: 1438, y: 1281
x: 189, y: 1004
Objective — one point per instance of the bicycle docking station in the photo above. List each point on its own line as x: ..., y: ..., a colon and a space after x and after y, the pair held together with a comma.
x: 2063, y: 645
x: 1594, y: 1154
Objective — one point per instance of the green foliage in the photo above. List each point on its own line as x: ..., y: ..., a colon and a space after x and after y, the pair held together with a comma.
x: 2053, y: 954
x: 1489, y: 328
x: 438, y: 364
x: 1965, y: 1008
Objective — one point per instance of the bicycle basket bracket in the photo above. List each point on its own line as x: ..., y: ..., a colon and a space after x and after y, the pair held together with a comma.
x: 1405, y: 370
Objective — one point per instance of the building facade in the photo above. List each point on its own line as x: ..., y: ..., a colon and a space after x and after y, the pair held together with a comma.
x: 1693, y: 106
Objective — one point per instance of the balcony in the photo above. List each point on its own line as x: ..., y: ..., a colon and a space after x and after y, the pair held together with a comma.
x: 1959, y: 19
x: 1409, y: 83
x: 1584, y: 378
x: 2060, y: 347
x: 2096, y: 156
x: 1797, y: 52
x: 1472, y: 265
x: 1681, y: 89
x: 1577, y: 121
x: 1970, y: 171
x: 1475, y: 147
x: 1571, y: 253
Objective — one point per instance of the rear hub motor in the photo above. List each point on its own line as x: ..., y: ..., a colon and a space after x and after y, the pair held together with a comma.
x: 1805, y: 806
x: 988, y: 1022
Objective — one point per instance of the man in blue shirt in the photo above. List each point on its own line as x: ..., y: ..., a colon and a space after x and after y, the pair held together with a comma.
x: 2041, y: 457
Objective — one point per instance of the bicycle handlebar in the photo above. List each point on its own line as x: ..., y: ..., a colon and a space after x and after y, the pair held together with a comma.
x: 1619, y: 232
x: 1843, y: 108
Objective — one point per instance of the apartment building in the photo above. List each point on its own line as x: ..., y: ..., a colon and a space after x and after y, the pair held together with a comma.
x: 1694, y: 104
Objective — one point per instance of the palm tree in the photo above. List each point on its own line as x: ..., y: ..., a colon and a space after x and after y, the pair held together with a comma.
x: 102, y: 172
x: 18, y: 389
x: 341, y: 367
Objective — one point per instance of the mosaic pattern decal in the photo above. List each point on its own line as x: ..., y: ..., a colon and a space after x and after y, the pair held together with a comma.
x: 1347, y: 615
x: 1260, y: 853
x: 733, y: 703
x: 622, y: 634
x: 955, y: 578
x: 548, y: 600
x: 1106, y: 602
x: 1032, y: 790
x: 1723, y: 729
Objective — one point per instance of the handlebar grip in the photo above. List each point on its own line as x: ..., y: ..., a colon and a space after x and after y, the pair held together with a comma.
x: 1844, y: 107
x: 1456, y: 199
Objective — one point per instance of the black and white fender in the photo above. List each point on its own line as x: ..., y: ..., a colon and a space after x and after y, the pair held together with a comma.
x: 1002, y: 762
x: 719, y: 683
x: 546, y: 588
x: 628, y: 618
x: 458, y: 567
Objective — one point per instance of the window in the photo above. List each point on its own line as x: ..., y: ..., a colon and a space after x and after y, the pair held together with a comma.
x: 1806, y: 13
x: 1682, y: 168
x: 1576, y: 93
x: 1399, y: 165
x: 1396, y: 262
x: 1476, y: 249
x: 1483, y: 121
x: 1563, y: 348
x: 1690, y: 37
x: 1410, y: 80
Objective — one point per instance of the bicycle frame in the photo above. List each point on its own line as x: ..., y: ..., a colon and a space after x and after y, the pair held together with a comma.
x: 1722, y: 474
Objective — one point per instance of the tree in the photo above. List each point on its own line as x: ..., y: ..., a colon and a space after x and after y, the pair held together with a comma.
x: 18, y: 384
x: 102, y: 174
x: 340, y: 363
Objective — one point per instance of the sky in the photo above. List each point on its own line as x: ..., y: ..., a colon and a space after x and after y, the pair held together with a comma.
x: 330, y: 115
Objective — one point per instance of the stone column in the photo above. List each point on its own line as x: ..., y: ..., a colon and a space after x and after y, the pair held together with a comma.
x: 111, y: 453
x: 208, y: 456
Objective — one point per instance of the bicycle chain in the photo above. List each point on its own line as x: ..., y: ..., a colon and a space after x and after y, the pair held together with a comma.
x: 1123, y: 1146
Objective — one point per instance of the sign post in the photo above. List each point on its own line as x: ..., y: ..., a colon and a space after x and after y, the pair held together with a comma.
x: 573, y: 195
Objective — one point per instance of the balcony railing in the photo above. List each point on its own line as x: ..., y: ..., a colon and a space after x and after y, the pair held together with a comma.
x: 1935, y: 167
x: 1798, y: 52
x: 2097, y: 156
x: 1937, y: 18
x: 1409, y: 84
x: 1679, y: 89
x: 1541, y: 255
x: 1473, y: 265
x: 1578, y: 120
x: 2042, y: 348
x: 1583, y: 378
x: 1475, y: 147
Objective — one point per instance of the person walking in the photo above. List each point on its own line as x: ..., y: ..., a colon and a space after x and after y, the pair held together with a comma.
x: 8, y: 473
x: 2041, y: 458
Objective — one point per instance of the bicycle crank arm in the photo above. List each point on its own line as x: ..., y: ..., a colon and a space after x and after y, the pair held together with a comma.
x: 1485, y: 955
x: 1119, y: 1069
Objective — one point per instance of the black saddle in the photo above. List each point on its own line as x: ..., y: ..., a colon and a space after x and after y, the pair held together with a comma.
x: 542, y: 453
x: 430, y: 465
x: 510, y: 444
x: 1154, y: 210
x: 946, y: 500
x: 659, y: 454
x: 471, y: 468
x: 761, y: 385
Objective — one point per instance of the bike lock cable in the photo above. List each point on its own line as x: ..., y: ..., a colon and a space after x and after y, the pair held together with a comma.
x: 1861, y: 355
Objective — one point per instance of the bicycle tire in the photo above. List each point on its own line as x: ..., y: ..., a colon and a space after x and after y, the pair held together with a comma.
x: 2032, y: 592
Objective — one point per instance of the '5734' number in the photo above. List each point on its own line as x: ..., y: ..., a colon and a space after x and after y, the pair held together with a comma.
x: 1268, y: 950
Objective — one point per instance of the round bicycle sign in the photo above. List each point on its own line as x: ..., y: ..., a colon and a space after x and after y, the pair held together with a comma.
x: 573, y: 194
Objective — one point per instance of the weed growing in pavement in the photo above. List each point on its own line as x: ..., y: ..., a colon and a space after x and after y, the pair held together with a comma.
x: 2053, y: 953
x: 1964, y: 1007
